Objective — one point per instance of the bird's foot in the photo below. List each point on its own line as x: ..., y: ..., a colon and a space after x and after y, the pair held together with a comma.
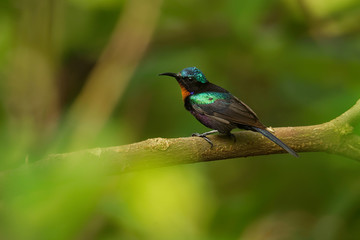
x: 204, y: 136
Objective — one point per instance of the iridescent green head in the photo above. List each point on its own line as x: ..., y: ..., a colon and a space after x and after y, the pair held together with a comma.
x: 190, y: 75
x: 193, y: 73
x: 191, y: 80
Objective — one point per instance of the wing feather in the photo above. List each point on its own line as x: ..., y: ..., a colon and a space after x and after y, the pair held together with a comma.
x: 228, y: 109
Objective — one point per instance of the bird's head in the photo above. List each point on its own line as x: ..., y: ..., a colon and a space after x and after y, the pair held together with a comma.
x: 190, y: 79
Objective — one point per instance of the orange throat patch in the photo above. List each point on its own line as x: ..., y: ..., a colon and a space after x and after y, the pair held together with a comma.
x: 184, y: 92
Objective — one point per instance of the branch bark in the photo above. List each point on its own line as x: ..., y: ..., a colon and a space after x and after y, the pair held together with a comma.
x: 335, y: 137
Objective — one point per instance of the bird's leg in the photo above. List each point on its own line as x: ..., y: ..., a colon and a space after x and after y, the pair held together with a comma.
x: 203, y: 135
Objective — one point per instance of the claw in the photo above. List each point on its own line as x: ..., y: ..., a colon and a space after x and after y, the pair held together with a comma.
x: 204, y: 137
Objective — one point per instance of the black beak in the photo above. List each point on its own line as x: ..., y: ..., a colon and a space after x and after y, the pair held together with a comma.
x: 169, y: 74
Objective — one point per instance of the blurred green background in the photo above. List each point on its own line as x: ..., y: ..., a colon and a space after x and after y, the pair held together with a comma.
x: 79, y: 74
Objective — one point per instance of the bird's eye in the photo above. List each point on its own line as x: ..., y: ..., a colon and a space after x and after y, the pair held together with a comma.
x: 190, y: 79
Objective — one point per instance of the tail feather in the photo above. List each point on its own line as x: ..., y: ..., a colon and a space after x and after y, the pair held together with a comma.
x: 276, y: 140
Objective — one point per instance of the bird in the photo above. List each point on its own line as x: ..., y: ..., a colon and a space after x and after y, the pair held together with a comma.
x: 217, y: 108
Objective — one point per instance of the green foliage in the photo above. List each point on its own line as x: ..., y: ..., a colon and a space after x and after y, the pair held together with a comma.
x: 293, y: 62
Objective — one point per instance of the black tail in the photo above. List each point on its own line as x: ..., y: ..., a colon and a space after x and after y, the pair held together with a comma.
x: 276, y: 140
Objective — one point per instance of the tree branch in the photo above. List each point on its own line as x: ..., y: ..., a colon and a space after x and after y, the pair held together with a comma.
x: 335, y: 137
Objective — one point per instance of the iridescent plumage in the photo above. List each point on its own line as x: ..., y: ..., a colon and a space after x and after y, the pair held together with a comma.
x: 218, y: 109
x: 208, y: 97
